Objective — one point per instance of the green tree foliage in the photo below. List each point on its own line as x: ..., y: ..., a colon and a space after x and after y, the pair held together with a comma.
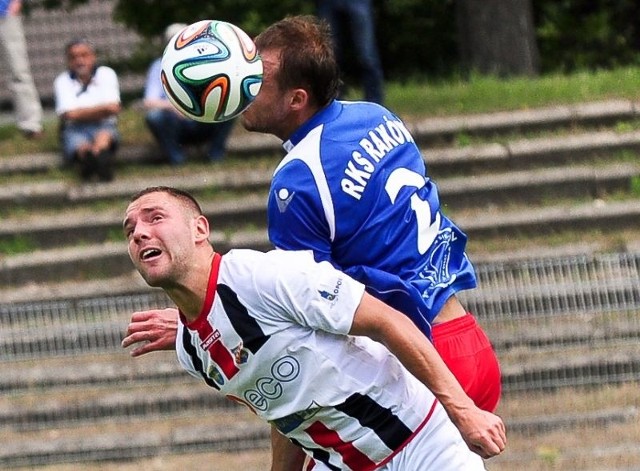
x: 416, y: 37
x: 587, y: 34
x: 150, y: 17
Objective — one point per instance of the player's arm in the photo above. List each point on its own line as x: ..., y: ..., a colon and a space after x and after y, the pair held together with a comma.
x: 484, y: 432
x: 285, y: 456
x: 152, y: 331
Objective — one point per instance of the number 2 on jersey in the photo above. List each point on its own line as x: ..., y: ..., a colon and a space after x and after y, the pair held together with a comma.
x: 427, y: 231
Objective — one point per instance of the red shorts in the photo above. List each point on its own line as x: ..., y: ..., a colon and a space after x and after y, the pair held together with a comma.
x: 468, y: 353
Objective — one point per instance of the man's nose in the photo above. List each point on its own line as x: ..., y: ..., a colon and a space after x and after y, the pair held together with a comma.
x: 140, y: 233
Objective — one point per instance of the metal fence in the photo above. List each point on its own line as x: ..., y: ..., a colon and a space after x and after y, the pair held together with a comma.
x: 566, y: 331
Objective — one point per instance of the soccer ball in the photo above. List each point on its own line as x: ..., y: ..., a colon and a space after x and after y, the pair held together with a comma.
x: 211, y: 71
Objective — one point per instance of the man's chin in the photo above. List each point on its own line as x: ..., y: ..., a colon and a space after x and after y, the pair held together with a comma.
x: 152, y: 280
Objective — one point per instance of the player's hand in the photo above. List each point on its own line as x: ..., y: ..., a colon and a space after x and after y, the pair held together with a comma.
x: 483, y: 431
x: 153, y: 330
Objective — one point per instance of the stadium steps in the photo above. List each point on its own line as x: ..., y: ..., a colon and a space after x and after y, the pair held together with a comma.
x: 84, y: 246
x: 71, y: 394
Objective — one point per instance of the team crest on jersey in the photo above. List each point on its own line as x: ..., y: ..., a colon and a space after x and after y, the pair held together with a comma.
x: 214, y: 374
x: 240, y: 354
x: 283, y: 198
x: 437, y: 273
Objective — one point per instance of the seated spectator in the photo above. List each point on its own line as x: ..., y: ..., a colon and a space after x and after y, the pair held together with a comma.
x: 87, y: 100
x: 173, y: 130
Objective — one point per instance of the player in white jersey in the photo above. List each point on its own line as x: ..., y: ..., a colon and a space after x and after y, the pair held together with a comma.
x: 267, y: 329
x: 354, y: 189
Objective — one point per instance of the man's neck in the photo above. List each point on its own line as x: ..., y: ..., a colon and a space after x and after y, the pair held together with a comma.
x: 191, y: 294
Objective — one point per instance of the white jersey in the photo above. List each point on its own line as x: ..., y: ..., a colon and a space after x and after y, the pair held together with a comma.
x: 273, y: 335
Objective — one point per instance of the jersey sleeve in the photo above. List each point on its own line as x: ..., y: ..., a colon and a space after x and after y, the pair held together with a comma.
x: 299, y: 290
x: 296, y: 213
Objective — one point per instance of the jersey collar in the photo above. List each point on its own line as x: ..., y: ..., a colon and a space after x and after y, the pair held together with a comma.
x: 211, y: 295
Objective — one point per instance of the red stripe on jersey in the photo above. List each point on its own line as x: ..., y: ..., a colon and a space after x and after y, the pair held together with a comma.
x: 351, y: 456
x: 208, y: 336
x: 218, y: 352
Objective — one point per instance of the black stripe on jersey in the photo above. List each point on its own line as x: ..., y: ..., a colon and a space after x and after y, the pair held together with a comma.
x: 247, y: 327
x: 391, y: 430
x: 195, y: 359
x: 318, y: 455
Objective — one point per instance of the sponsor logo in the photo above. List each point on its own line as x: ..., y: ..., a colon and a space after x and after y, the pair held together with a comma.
x: 271, y: 387
x: 326, y: 295
x: 213, y: 336
x: 332, y: 295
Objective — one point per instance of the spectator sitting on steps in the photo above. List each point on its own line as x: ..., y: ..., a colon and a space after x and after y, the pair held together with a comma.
x: 171, y: 129
x: 87, y: 98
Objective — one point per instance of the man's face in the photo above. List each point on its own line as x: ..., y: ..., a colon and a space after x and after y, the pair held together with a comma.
x: 269, y: 111
x: 160, y: 231
x: 81, y: 60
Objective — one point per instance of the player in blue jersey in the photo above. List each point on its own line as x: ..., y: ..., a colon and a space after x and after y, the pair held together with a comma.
x: 354, y: 189
x: 267, y: 329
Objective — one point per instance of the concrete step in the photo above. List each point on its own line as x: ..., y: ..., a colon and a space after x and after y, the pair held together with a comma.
x: 438, y: 129
x: 43, y: 228
x: 428, y: 131
x: 78, y: 246
x: 37, y: 195
x: 529, y: 153
x: 591, y: 180
x: 135, y: 439
x: 86, y: 225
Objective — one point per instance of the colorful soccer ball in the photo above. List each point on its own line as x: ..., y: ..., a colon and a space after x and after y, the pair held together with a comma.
x: 211, y: 71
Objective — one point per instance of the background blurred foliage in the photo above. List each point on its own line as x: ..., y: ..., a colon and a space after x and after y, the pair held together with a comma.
x: 417, y: 38
x: 587, y: 34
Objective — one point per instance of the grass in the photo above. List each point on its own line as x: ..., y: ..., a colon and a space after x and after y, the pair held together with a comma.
x: 484, y: 94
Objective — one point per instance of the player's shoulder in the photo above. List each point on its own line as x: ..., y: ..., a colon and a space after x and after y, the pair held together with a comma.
x: 272, y: 261
x: 262, y: 272
x: 269, y: 259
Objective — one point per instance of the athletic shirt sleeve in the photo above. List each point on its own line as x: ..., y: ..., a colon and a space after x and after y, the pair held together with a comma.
x: 296, y: 214
x: 296, y: 289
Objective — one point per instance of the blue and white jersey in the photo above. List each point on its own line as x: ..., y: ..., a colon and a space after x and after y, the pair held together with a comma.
x: 272, y: 334
x: 353, y: 189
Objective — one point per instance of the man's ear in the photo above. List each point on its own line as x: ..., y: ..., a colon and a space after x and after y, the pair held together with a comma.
x: 299, y: 99
x: 202, y: 230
